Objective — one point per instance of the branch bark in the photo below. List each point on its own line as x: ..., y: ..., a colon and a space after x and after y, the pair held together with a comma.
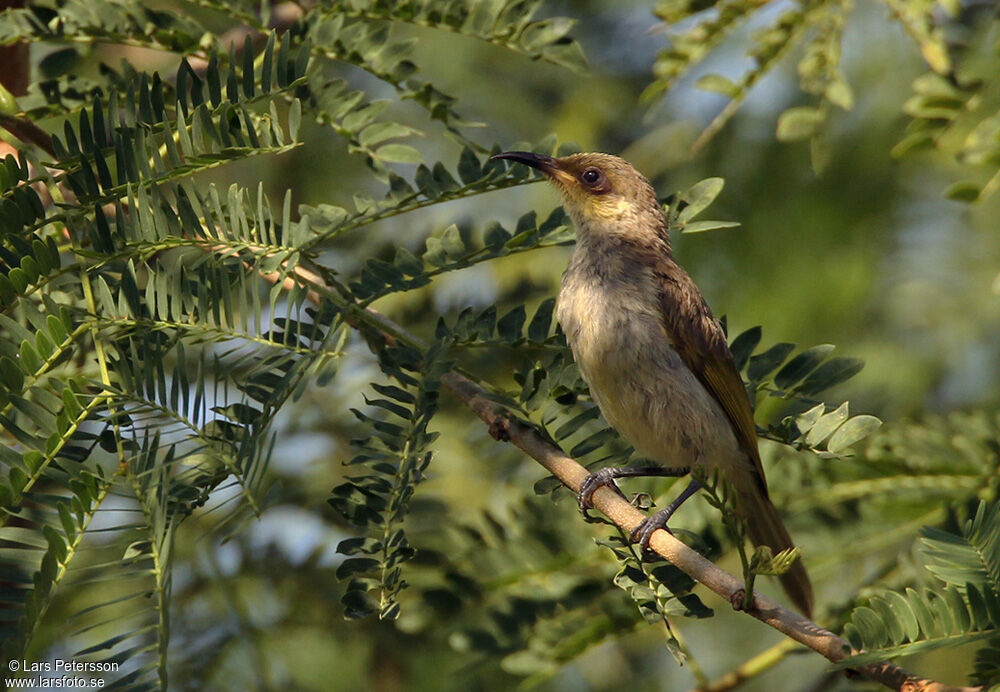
x: 505, y: 426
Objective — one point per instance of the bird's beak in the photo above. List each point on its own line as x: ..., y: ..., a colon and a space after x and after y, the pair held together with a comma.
x: 546, y: 164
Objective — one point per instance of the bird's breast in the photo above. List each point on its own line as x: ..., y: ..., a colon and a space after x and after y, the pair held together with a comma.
x: 613, y: 323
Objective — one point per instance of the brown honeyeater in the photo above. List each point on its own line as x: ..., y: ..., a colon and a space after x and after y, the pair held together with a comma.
x: 655, y: 358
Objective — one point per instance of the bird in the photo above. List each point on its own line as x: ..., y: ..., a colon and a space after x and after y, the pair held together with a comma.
x: 652, y: 353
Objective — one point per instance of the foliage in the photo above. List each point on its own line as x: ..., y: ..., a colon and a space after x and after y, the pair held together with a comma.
x: 396, y: 456
x: 953, y: 108
x: 816, y: 27
x: 962, y: 607
x: 958, y: 112
x: 149, y: 338
x: 659, y: 591
x: 519, y: 587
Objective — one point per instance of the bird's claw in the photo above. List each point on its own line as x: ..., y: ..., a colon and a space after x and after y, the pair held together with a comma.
x: 644, y: 531
x: 585, y: 496
x: 648, y: 526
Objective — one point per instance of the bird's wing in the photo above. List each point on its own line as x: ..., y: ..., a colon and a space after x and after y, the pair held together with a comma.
x: 700, y: 342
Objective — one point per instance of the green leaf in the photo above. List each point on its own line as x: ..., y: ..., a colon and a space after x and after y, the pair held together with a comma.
x: 407, y: 262
x: 826, y: 424
x: 538, y: 328
x: 873, y: 632
x: 959, y: 612
x: 888, y: 616
x: 294, y: 119
x: 56, y: 328
x: 11, y: 374
x: 807, y: 419
x: 970, y: 558
x: 30, y: 358
x: 854, y: 430
x: 469, y: 168
x: 904, y: 615
x: 764, y: 363
x: 510, y: 326
x: 840, y: 94
x: 923, y: 614
x: 451, y: 243
x: 546, y: 32
x: 831, y: 373
x: 699, y: 197
x: 801, y: 365
x: 702, y: 226
x: 376, y: 133
x: 764, y: 562
x: 574, y: 423
x: 38, y: 415
x: 743, y: 346
x: 800, y: 122
x: 358, y: 604
x: 435, y: 254
x: 592, y: 442
x: 495, y: 238
x: 398, y: 153
x: 913, y: 142
x: 718, y: 84
x: 963, y: 191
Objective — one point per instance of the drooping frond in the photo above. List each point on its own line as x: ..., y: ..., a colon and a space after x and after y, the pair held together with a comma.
x: 391, y: 462
x: 964, y: 608
x: 971, y: 558
x: 506, y: 23
x: 432, y: 185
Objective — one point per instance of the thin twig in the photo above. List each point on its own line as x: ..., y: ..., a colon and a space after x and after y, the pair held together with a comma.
x: 28, y: 132
x: 750, y: 668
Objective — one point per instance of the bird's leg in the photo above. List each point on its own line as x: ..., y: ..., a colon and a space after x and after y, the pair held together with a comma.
x: 606, y: 478
x: 642, y: 532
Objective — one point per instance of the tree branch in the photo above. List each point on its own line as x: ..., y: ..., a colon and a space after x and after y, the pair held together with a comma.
x: 505, y: 426
x: 28, y: 132
x: 627, y: 517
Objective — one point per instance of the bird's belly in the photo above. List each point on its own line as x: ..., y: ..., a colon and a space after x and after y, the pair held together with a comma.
x: 643, y: 387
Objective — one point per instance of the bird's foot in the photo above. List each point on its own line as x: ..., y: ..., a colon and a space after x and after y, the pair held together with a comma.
x: 647, y: 527
x: 644, y: 531
x: 605, y: 478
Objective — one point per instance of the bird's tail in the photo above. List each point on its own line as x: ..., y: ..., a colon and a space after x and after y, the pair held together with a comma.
x: 764, y: 527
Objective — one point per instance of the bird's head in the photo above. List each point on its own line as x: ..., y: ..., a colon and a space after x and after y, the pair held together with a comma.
x: 603, y: 194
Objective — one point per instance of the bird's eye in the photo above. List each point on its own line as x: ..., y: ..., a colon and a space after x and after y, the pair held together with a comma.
x: 591, y: 176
